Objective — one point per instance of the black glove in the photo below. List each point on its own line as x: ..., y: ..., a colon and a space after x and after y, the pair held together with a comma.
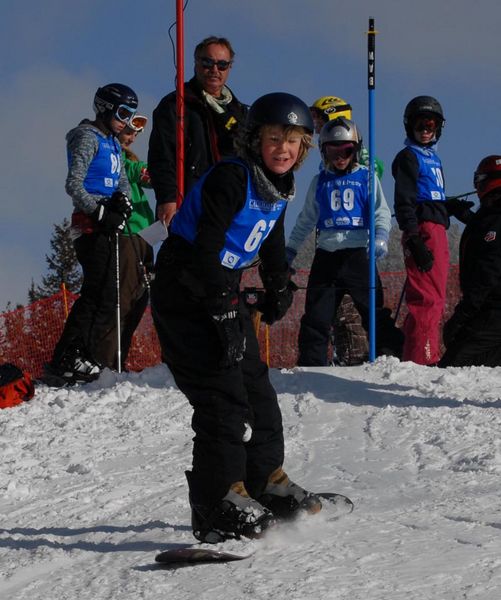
x: 459, y: 208
x: 422, y: 255
x: 225, y: 315
x: 109, y: 220
x: 120, y: 204
x: 453, y: 326
x: 278, y: 296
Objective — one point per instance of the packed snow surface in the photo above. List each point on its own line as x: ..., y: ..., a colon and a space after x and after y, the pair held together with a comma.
x: 92, y: 485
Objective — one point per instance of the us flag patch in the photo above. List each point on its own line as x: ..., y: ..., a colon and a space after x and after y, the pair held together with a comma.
x: 490, y: 236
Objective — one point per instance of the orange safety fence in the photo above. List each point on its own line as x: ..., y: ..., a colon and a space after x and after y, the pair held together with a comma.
x: 28, y: 334
x: 283, y: 335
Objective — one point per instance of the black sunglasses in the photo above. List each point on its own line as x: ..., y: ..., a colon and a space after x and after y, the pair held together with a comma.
x: 209, y: 63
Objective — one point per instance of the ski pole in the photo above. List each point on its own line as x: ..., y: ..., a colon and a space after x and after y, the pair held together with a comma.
x: 371, y: 84
x: 399, y: 306
x: 460, y: 196
x: 119, y: 341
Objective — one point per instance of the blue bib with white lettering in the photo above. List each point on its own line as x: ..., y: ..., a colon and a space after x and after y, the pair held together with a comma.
x: 248, y: 230
x: 343, y: 200
x: 430, y: 183
x: 103, y: 174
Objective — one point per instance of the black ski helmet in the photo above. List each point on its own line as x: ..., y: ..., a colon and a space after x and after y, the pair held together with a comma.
x: 279, y: 108
x: 109, y: 97
x: 423, y: 105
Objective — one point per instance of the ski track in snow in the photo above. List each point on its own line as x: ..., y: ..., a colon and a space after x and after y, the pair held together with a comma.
x: 92, y: 486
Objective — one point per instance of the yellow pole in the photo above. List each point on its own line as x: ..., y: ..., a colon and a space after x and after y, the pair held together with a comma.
x: 65, y: 300
x: 256, y: 321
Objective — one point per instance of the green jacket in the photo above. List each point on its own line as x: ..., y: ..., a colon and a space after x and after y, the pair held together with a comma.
x: 142, y: 215
x: 378, y: 164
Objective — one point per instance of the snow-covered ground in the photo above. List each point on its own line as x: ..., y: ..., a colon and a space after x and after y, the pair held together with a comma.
x: 92, y: 487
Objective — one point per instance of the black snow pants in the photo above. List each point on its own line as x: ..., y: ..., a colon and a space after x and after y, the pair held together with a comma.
x: 332, y: 275
x: 223, y: 400
x: 95, y: 309
x: 477, y: 343
x: 134, y: 298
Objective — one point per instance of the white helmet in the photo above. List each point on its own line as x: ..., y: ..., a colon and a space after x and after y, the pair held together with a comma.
x: 340, y: 130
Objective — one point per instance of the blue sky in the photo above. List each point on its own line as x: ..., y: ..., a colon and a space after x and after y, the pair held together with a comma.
x: 56, y: 53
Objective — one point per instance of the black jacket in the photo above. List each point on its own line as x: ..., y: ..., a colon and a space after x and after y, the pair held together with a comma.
x: 208, y: 138
x: 480, y: 262
x: 199, y: 265
x: 408, y: 212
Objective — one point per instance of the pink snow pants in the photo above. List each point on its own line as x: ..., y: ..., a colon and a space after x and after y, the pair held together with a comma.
x: 425, y: 297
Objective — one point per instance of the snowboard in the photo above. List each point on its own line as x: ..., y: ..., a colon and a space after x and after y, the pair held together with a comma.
x: 341, y: 504
x: 197, y: 555
x: 338, y: 504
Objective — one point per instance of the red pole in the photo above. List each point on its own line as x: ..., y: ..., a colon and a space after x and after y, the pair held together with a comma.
x: 179, y: 102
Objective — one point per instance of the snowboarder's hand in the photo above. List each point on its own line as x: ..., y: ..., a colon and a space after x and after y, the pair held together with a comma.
x: 278, y: 296
x: 276, y: 303
x: 108, y: 220
x: 422, y: 255
x: 120, y: 204
x: 226, y: 317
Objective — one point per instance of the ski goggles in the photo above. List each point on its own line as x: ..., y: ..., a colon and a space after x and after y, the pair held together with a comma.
x: 137, y: 123
x: 335, y: 151
x: 426, y: 124
x: 124, y: 113
x: 210, y: 63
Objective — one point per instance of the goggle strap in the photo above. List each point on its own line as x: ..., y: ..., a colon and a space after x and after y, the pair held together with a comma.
x: 335, y: 109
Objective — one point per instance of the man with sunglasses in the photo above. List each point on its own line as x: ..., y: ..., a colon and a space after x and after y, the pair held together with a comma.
x: 422, y: 214
x: 212, y: 116
x: 99, y: 188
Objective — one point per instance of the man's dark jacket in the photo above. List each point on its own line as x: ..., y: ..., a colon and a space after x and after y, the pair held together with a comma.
x: 208, y: 138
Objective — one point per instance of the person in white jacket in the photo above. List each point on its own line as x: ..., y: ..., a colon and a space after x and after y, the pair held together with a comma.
x: 337, y: 206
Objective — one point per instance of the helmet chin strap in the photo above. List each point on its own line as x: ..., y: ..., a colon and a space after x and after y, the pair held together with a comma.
x: 104, y: 121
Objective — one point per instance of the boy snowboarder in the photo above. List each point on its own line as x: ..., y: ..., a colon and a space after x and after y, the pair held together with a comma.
x: 234, y: 214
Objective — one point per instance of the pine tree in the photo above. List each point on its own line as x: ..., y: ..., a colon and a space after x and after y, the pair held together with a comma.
x: 33, y: 294
x: 63, y: 266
